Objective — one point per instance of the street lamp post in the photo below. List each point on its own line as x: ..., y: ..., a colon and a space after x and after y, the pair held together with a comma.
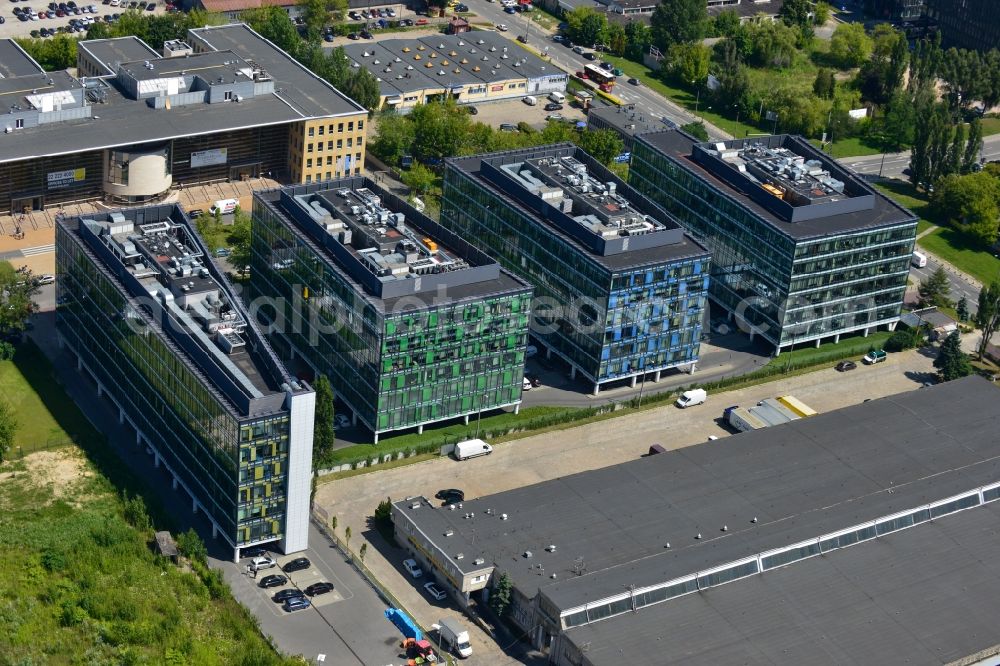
x: 479, y: 418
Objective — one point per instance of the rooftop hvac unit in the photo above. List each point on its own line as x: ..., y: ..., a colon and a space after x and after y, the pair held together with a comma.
x: 479, y: 561
x: 415, y: 505
x: 551, y: 548
x: 449, y: 533
x: 527, y: 555
x: 459, y: 556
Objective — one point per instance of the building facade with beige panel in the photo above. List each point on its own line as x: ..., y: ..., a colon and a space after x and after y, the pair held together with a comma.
x: 134, y: 124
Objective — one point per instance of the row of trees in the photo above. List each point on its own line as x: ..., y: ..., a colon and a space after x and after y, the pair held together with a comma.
x: 432, y: 132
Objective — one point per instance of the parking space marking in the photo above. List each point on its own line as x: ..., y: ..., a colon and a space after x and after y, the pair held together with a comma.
x: 338, y: 584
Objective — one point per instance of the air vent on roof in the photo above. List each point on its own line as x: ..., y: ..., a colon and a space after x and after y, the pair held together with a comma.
x: 459, y: 556
x: 478, y: 561
x: 503, y: 516
x: 415, y: 505
x: 449, y: 533
x: 551, y: 548
x: 527, y: 555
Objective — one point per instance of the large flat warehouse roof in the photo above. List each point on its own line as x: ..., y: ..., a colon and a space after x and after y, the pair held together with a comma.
x: 123, y: 121
x: 675, y: 514
x: 921, y: 596
x: 833, y: 218
x: 14, y: 61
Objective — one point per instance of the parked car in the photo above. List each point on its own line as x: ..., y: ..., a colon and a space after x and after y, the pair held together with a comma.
x: 508, y: 127
x: 510, y: 10
x: 450, y: 496
x: 634, y: 82
x: 578, y: 50
x: 285, y: 595
x: 341, y: 421
x: 844, y: 366
x: 413, y: 568
x: 525, y: 384
x: 553, y: 106
x: 47, y: 279
x: 328, y: 37
x: 295, y: 604
x: 875, y: 356
x: 255, y: 551
x: 222, y: 252
x: 273, y: 580
x: 319, y: 588
x: 298, y: 564
x: 461, y: 7
x: 590, y: 55
x: 555, y: 117
x: 353, y: 35
x: 263, y: 562
x: 502, y: 27
x: 365, y: 34
x: 473, y: 111
x: 421, y: 21
x: 435, y: 592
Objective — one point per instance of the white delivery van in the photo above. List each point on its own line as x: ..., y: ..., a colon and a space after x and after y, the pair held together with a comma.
x: 919, y: 259
x: 472, y: 448
x: 557, y: 97
x: 455, y: 636
x: 224, y: 206
x: 530, y: 100
x: 692, y: 397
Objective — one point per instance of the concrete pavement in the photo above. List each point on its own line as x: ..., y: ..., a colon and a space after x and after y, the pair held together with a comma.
x: 554, y: 454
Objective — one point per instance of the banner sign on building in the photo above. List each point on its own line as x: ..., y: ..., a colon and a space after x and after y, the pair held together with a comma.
x: 496, y: 88
x: 57, y: 179
x: 208, y: 157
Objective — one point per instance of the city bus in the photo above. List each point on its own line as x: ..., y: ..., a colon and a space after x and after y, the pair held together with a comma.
x: 604, y: 79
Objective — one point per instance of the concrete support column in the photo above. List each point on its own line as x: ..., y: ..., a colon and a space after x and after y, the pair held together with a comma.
x: 79, y: 364
x: 751, y: 334
x: 215, y: 530
x: 597, y: 389
x: 156, y: 460
x: 777, y: 351
x: 817, y: 343
x: 138, y: 437
x: 194, y: 505
x: 236, y: 555
x: 354, y: 418
x: 866, y: 332
x: 836, y: 338
x: 121, y: 416
x: 376, y: 438
x: 635, y: 379
x: 466, y: 419
x: 174, y: 483
x: 729, y: 316
x: 100, y: 390
x: 572, y: 372
x: 548, y: 353
x: 61, y: 341
x: 656, y: 377
x: 694, y: 366
x: 420, y: 429
x: 517, y: 408
x: 892, y: 326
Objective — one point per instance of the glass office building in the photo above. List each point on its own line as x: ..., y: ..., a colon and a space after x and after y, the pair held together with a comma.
x: 411, y: 323
x: 802, y: 249
x: 154, y: 322
x: 619, y: 287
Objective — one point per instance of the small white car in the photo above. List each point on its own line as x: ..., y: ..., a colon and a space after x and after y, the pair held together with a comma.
x: 47, y: 279
x: 502, y: 27
x: 526, y: 384
x: 263, y: 562
x: 341, y: 421
x: 433, y: 590
x: 413, y: 568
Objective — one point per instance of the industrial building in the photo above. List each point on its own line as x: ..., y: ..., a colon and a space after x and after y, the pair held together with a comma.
x: 154, y: 322
x: 411, y: 323
x: 852, y: 537
x: 802, y: 249
x: 620, y: 288
x: 224, y: 105
x: 471, y: 67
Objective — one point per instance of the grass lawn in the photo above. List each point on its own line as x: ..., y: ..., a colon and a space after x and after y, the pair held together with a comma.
x: 854, y: 344
x: 852, y: 147
x: 80, y: 583
x: 954, y: 248
x: 991, y: 125
x: 907, y: 195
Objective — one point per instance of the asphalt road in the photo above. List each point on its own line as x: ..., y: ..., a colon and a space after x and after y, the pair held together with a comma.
x: 896, y: 162
x: 646, y: 101
x: 959, y: 287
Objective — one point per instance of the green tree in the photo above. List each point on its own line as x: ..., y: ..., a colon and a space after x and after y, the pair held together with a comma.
x: 192, y: 547
x: 8, y: 429
x: 825, y: 83
x: 53, y: 53
x: 971, y: 203
x: 677, y: 22
x: 897, y: 124
x: 796, y: 13
x: 362, y: 86
x: 726, y: 23
x: 239, y: 237
x: 952, y: 362
x: 315, y: 16
x: 768, y: 44
x: 362, y: 552
x: 324, y: 436
x: 603, y: 144
x: 17, y: 290
x: 419, y: 178
x: 988, y: 315
x: 689, y: 62
x: 821, y: 13
x: 973, y: 146
x: 347, y: 536
x: 333, y: 524
x: 273, y: 23
x: 393, y: 139
x: 616, y: 38
x: 500, y: 595
x: 903, y: 338
x: 697, y: 130
x: 586, y: 26
x: 934, y: 289
x: 383, y: 512
x: 439, y: 130
x: 962, y: 309
x: 850, y: 46
x: 882, y: 76
x: 638, y: 37
x: 134, y: 511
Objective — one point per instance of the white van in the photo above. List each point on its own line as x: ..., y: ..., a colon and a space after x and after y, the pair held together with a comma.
x: 557, y: 97
x: 530, y: 100
x: 472, y: 448
x: 692, y: 397
x: 919, y: 259
x: 224, y: 206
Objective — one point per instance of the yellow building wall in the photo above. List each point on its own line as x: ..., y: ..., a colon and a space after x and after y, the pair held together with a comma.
x: 328, y: 148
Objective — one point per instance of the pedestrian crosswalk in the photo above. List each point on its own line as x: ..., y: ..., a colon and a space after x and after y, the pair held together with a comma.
x: 38, y: 249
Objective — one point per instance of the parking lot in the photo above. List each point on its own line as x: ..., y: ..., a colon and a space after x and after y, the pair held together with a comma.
x: 14, y: 27
x: 554, y: 454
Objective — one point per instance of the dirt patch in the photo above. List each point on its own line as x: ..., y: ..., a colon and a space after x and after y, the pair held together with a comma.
x: 60, y: 471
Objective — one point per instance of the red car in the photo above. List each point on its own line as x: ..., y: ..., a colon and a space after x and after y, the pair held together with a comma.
x: 421, y: 21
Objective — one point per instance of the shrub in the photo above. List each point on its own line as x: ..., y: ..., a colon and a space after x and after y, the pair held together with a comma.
x: 383, y: 513
x: 192, y: 547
